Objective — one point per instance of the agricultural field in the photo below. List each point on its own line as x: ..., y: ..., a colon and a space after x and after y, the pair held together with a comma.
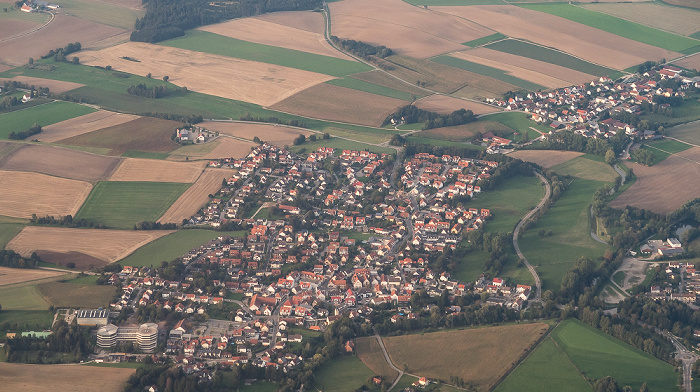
x: 679, y: 172
x: 517, y: 121
x: 683, y: 3
x: 196, y: 196
x: 9, y: 228
x: 407, y: 30
x: 689, y: 133
x: 361, y: 85
x: 25, y: 193
x: 672, y: 19
x: 223, y: 147
x: 43, y: 115
x: 18, y: 275
x: 340, y: 104
x: 256, y: 82
x: 278, y: 135
x: 457, y: 61
x: 380, y: 78
x: 83, y: 124
x: 106, y: 245
x: 509, y: 202
x: 72, y: 295
x: 78, y: 378
x: 24, y: 296
x: 622, y: 27
x: 692, y: 62
x: 582, y: 167
x: 54, y: 86
x: 444, y: 104
x: 145, y: 134
x: 370, y: 353
x: 377, y: 137
x: 122, y: 204
x: 484, y: 354
x: 106, y: 13
x: 484, y: 40
x: 60, y: 162
x: 135, y: 169
x: 463, y: 133
x: 342, y: 374
x: 598, y: 355
x: 545, y: 158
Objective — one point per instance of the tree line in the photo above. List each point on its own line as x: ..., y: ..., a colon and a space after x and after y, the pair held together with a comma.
x: 59, y: 54
x: 273, y: 120
x: 155, y: 92
x: 12, y: 259
x: 21, y: 135
x: 67, y: 221
x: 569, y: 141
x: 362, y: 49
x: 410, y: 114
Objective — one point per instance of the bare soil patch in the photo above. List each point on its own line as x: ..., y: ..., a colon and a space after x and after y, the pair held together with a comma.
x: 691, y: 62
x: 277, y: 135
x: 135, y: 169
x: 269, y: 33
x: 342, y: 104
x: 370, y: 353
x: 82, y: 261
x: 62, y: 30
x: 303, y: 20
x: 588, y: 43
x: 60, y: 162
x: 51, y: 378
x: 10, y: 27
x: 227, y: 77
x: 106, y: 245
x: 19, y: 275
x: 55, y: 86
x: 196, y: 196
x: 673, y: 19
x: 545, y: 158
x: 535, y: 71
x: 406, y: 29
x: 83, y: 124
x: 444, y: 104
x: 24, y: 194
x: 664, y: 187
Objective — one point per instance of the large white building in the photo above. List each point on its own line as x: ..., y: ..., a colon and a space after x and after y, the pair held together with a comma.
x: 92, y: 317
x: 144, y: 336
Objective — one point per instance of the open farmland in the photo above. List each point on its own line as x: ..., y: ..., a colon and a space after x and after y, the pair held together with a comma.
x: 55, y: 86
x: 484, y: 354
x: 370, y: 353
x: 60, y: 162
x: 691, y: 62
x: 17, y: 275
x: 588, y: 43
x: 222, y: 76
x: 122, y: 204
x: 209, y: 182
x: 83, y: 124
x: 145, y: 134
x: 24, y: 194
x: 135, y: 169
x: 105, y: 12
x: 340, y: 104
x: 277, y: 135
x: 46, y: 114
x: 302, y: 20
x: 489, y: 71
x: 107, y: 245
x: 676, y: 20
x: 461, y: 133
x: 222, y: 147
x: 342, y: 374
x: 77, y: 378
x: 509, y: 202
x: 684, y: 3
x: 679, y: 172
x: 689, y: 133
x: 406, y: 29
x: 62, y: 30
x: 444, y: 104
x: 545, y: 158
x: 582, y: 167
x: 382, y: 79
x: 82, y: 261
x: 9, y: 228
x: 71, y: 295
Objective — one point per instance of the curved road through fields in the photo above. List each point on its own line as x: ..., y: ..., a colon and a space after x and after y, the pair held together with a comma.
x: 516, y: 232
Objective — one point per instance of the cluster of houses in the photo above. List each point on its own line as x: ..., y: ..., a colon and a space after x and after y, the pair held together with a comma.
x: 37, y: 5
x: 194, y: 134
x: 682, y: 283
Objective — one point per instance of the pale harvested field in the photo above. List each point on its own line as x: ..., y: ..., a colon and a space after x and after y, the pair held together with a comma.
x: 60, y: 162
x: 535, y: 71
x: 52, y: 378
x: 664, y: 187
x: 10, y: 27
x: 277, y: 135
x: 303, y: 20
x: 196, y: 196
x: 227, y: 77
x: 55, y: 86
x: 222, y: 147
x: 62, y: 30
x: 545, y: 158
x: 406, y: 29
x: 370, y: 353
x: 444, y: 104
x: 673, y: 19
x: 19, y: 275
x: 588, y: 43
x: 269, y: 33
x: 153, y: 170
x: 692, y: 62
x: 24, y: 194
x: 83, y: 124
x: 107, y: 245
x: 483, y: 355
x: 684, y: 3
x: 341, y: 104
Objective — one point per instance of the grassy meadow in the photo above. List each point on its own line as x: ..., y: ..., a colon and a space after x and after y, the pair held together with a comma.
x: 47, y: 114
x: 102, y: 12
x: 76, y: 295
x: 509, y: 202
x: 361, y: 85
x: 9, y: 228
x: 484, y: 40
x: 343, y: 374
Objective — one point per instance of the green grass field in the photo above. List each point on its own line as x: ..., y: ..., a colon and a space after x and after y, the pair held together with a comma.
x: 9, y: 228
x: 583, y: 167
x: 342, y: 374
x: 23, y: 296
x: 26, y: 319
x: 361, y: 85
x: 72, y: 295
x: 414, y: 138
x: 340, y: 144
x: 122, y: 204
x: 670, y: 146
x: 422, y: 3
x: 687, y: 132
x: 376, y: 136
x: 536, y: 52
x: 621, y: 27
x: 518, y: 121
x: 85, y: 279
x: 598, y: 355
x: 509, y: 202
x: 173, y: 246
x: 105, y: 13
x: 687, y: 112
x: 484, y: 40
x: 487, y: 71
x: 43, y: 115
x: 547, y: 368
x: 203, y: 41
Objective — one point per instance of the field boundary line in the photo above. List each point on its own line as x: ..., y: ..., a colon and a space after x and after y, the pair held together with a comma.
x: 670, y: 154
x: 570, y: 361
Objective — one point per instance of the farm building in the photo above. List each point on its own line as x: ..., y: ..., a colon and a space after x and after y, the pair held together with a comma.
x: 92, y: 317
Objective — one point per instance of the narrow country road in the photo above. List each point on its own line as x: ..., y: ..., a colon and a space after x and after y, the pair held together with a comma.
x: 388, y: 360
x: 516, y: 232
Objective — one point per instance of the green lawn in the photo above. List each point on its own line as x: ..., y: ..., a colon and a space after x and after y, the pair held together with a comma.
x: 121, y: 204
x: 47, y: 114
x: 342, y: 374
x: 440, y: 142
x: 86, y: 279
x: 15, y: 14
x: 487, y: 71
x: 621, y: 27
x: 27, y: 319
x: 173, y: 246
x: 687, y: 112
x: 204, y: 41
x: 509, y: 202
x: 22, y: 296
x: 484, y: 40
x: 341, y: 144
x: 547, y: 368
x: 361, y: 85
x: 375, y: 136
x: 670, y: 146
x: 598, y: 355
x: 551, y: 56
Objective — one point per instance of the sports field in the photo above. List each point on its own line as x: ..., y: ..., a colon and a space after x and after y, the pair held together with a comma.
x: 72, y: 295
x: 509, y: 202
x: 122, y: 204
x: 50, y: 113
x: 78, y: 378
x: 342, y: 374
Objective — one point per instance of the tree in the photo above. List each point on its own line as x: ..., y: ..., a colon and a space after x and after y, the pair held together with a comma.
x: 75, y: 61
x: 610, y: 157
x: 31, y: 61
x: 166, y: 78
x: 606, y: 384
x: 149, y: 75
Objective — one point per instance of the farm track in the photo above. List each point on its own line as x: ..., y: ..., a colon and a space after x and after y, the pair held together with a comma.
x: 26, y: 33
x: 388, y: 360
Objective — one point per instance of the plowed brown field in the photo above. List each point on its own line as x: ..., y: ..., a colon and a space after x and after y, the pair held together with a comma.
x: 83, y: 124
x: 277, y: 135
x: 445, y: 105
x: 545, y: 158
x: 196, y: 196
x: 10, y: 27
x: 24, y: 194
x: 135, y: 169
x: 52, y: 378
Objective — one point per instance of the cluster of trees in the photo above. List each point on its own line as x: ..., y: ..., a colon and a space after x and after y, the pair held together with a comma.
x: 570, y: 141
x: 14, y: 85
x: 21, y: 135
x: 643, y: 156
x: 165, y: 19
x: 362, y: 49
x: 59, y: 54
x: 11, y: 259
x: 410, y: 114
x: 301, y: 139
x: 273, y: 120
x: 673, y: 316
x: 64, y: 339
x: 186, y: 118
x: 151, y: 225
x: 67, y: 221
x: 155, y: 92
x: 609, y: 384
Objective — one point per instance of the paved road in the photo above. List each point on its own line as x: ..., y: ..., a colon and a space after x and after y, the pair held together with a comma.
x: 516, y: 232
x: 686, y: 356
x: 388, y: 360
